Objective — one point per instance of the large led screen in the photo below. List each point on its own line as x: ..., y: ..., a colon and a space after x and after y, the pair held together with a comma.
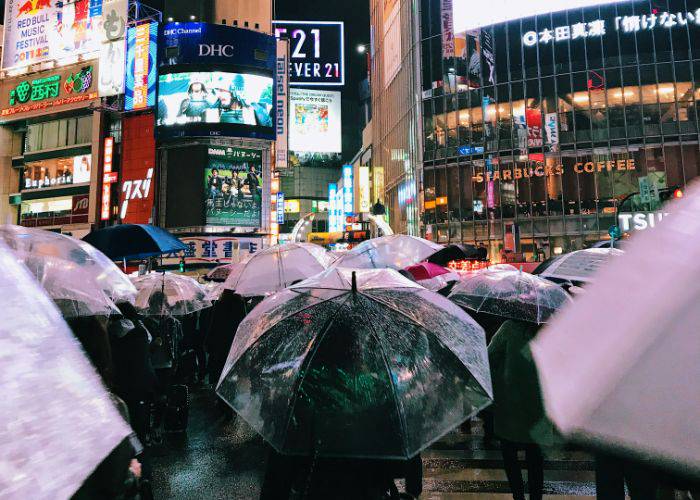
x: 469, y: 15
x: 216, y: 103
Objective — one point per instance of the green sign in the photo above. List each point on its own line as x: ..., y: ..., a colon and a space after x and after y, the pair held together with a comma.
x: 50, y: 87
x: 233, y: 187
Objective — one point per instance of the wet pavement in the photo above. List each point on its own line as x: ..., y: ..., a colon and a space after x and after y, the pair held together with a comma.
x: 225, y: 459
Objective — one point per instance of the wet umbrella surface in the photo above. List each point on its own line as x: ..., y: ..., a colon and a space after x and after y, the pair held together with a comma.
x: 183, y: 294
x: 510, y: 294
x: 396, y: 251
x: 380, y: 370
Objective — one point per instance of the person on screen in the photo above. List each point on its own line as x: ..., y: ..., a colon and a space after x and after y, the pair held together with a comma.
x: 195, y: 105
x: 252, y: 181
x: 227, y: 194
x: 214, y: 183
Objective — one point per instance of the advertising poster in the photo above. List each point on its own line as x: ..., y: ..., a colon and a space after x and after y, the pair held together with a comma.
x: 136, y: 194
x: 551, y: 127
x: 488, y: 58
x: 315, y: 121
x: 534, y: 128
x: 233, y: 187
x: 141, y: 56
x: 392, y: 40
x: 282, y: 104
x: 113, y: 50
x: 448, y: 35
x: 317, y: 51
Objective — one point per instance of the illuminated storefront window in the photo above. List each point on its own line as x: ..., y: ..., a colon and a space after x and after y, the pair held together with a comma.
x: 57, y: 172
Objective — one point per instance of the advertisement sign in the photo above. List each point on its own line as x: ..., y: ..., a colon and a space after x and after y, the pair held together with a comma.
x: 54, y: 172
x: 233, y: 187
x: 207, y: 250
x: 215, y: 103
x: 317, y: 51
x: 44, y: 30
x: 533, y: 119
x: 141, y: 42
x: 282, y: 104
x: 216, y: 45
x: 280, y: 208
x: 348, y: 191
x: 392, y: 40
x: 113, y: 49
x: 50, y: 89
x: 332, y: 217
x: 136, y: 195
x: 107, y: 180
x: 448, y: 34
x: 488, y: 58
x: 80, y: 205
x: 365, y: 200
x: 469, y: 15
x: 315, y: 121
x: 551, y: 126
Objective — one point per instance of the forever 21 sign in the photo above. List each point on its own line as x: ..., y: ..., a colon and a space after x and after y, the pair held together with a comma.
x: 316, y: 52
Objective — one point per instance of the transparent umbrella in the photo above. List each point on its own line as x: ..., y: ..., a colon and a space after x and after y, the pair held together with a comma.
x: 396, y: 251
x: 57, y: 422
x: 276, y: 268
x: 620, y: 370
x: 162, y: 294
x: 371, y: 365
x: 579, y: 266
x: 510, y: 294
x: 77, y: 276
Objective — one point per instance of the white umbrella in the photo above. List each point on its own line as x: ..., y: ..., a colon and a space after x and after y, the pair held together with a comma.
x: 82, y: 279
x: 183, y: 295
x: 57, y: 422
x: 621, y: 368
x: 276, y: 268
x: 580, y: 265
x: 397, y: 251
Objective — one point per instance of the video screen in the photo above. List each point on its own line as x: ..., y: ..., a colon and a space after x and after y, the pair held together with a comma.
x: 216, y: 98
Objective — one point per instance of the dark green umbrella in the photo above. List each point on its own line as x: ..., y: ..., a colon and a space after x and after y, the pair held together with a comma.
x: 356, y: 364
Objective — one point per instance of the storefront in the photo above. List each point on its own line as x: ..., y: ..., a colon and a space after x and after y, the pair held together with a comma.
x: 537, y: 130
x: 54, y: 132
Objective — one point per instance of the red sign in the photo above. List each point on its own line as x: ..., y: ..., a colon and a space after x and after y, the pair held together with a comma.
x: 136, y: 193
x: 106, y: 183
x: 110, y: 178
x: 534, y: 128
x: 81, y: 204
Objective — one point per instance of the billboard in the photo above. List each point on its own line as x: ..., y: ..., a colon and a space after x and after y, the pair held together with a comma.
x: 136, y: 194
x: 392, y: 39
x: 233, y: 187
x: 216, y: 45
x: 282, y: 104
x: 315, y: 121
x: 317, y: 51
x: 215, y: 103
x: 141, y: 42
x: 469, y: 15
x: 44, y: 30
x: 113, y: 49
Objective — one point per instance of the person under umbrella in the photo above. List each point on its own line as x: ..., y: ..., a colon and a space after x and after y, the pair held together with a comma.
x: 355, y: 365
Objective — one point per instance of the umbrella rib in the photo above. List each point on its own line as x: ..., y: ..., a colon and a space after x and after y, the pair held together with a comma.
x: 306, y: 363
x: 394, y: 392
x: 424, y: 327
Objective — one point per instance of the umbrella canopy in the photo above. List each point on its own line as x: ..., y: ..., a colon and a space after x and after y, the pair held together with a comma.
x: 510, y: 294
x: 621, y: 368
x: 426, y: 270
x: 77, y: 276
x: 57, y: 422
x: 454, y: 252
x: 579, y: 266
x: 219, y: 273
x: 183, y: 295
x: 134, y: 241
x: 396, y: 251
x: 356, y: 364
x: 276, y: 268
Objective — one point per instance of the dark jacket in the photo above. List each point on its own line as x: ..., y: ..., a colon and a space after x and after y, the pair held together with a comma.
x: 134, y: 378
x: 228, y: 313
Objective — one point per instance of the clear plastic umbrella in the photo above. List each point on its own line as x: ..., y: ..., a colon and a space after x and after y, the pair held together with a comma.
x: 510, y: 294
x: 163, y: 294
x: 579, y: 266
x: 396, y: 251
x: 57, y: 422
x: 77, y: 276
x: 276, y: 268
x: 371, y: 365
x: 621, y: 369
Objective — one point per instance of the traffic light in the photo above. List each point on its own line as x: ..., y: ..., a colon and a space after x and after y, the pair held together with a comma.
x: 678, y: 193
x: 182, y: 264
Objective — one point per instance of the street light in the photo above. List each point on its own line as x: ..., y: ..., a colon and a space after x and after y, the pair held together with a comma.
x: 361, y: 49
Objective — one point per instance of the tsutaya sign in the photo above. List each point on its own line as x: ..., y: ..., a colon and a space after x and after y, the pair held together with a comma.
x: 639, y: 221
x: 624, y: 24
x: 542, y: 170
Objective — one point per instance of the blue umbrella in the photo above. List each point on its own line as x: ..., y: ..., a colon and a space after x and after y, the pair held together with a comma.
x: 134, y: 241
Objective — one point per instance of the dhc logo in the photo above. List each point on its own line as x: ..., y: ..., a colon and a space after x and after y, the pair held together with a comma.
x: 213, y: 50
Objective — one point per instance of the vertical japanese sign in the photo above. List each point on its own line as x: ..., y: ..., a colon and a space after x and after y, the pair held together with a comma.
x: 447, y: 24
x: 280, y: 208
x: 141, y: 67
x: 137, y: 169
x: 365, y: 201
x: 108, y: 178
x: 533, y: 119
x: 551, y: 125
x: 113, y: 49
x: 332, y: 220
x: 348, y: 197
x: 488, y: 58
x: 282, y: 104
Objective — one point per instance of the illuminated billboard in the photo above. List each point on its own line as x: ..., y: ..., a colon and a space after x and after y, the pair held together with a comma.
x: 44, y: 30
x: 315, y: 121
x: 469, y: 15
x: 141, y: 54
x: 215, y: 103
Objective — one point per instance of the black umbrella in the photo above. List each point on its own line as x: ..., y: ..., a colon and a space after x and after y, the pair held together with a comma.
x: 372, y: 366
x: 454, y: 252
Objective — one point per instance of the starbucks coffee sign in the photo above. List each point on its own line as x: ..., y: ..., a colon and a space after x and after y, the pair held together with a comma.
x: 541, y: 170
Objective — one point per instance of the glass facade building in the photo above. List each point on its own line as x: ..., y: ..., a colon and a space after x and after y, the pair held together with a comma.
x: 538, y: 133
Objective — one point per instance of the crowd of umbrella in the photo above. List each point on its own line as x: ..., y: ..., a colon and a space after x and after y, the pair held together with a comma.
x: 358, y: 356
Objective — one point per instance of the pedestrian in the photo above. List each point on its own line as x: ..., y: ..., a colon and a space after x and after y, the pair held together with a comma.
x: 519, y: 418
x: 117, y: 476
x: 613, y: 471
x: 227, y: 314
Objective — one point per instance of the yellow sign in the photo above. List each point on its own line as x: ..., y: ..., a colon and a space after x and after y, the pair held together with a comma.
x: 292, y: 206
x: 365, y: 201
x: 542, y: 170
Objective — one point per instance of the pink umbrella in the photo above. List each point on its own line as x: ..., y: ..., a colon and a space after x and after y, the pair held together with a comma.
x: 426, y: 271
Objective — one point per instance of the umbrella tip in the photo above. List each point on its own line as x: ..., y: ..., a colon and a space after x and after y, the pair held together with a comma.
x: 354, y: 282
